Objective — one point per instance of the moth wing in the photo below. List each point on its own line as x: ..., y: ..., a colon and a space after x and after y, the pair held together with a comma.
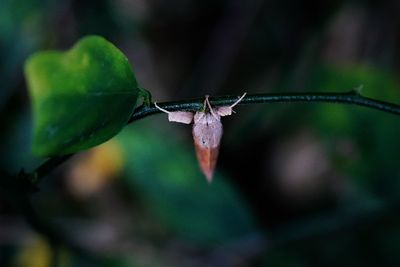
x: 227, y: 110
x: 207, y: 133
x: 180, y: 116
x: 224, y: 111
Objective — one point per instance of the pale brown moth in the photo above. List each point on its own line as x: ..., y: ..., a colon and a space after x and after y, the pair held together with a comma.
x: 207, y: 131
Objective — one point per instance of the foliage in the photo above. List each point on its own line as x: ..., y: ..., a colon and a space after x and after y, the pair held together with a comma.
x: 81, y: 97
x: 296, y: 184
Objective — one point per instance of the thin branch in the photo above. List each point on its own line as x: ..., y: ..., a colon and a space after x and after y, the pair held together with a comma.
x: 48, y: 166
x: 352, y: 98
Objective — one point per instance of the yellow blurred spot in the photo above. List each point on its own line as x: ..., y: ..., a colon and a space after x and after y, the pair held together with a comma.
x: 36, y: 253
x: 94, y: 169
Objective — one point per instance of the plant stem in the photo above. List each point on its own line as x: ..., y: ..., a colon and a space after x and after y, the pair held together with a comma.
x: 353, y: 98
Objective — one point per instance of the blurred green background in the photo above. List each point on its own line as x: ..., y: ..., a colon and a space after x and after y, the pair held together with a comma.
x: 295, y: 185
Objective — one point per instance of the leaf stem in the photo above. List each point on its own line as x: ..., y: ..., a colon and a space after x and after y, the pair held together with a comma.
x: 352, y: 98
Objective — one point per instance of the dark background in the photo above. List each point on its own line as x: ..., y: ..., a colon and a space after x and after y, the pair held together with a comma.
x: 295, y: 185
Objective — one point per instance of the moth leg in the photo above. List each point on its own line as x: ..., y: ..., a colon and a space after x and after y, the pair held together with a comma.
x: 211, y: 109
x: 177, y: 116
x: 199, y: 116
x: 163, y: 110
x: 227, y: 110
x: 238, y: 101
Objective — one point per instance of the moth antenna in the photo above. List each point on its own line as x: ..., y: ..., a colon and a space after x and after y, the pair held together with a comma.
x: 237, y: 101
x: 211, y: 109
x: 163, y: 110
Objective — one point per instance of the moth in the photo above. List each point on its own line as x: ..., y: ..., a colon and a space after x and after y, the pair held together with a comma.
x: 207, y: 131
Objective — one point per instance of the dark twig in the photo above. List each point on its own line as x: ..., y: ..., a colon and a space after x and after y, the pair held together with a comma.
x: 352, y: 98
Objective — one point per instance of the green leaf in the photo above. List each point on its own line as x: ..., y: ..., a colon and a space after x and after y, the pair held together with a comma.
x: 81, y: 97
